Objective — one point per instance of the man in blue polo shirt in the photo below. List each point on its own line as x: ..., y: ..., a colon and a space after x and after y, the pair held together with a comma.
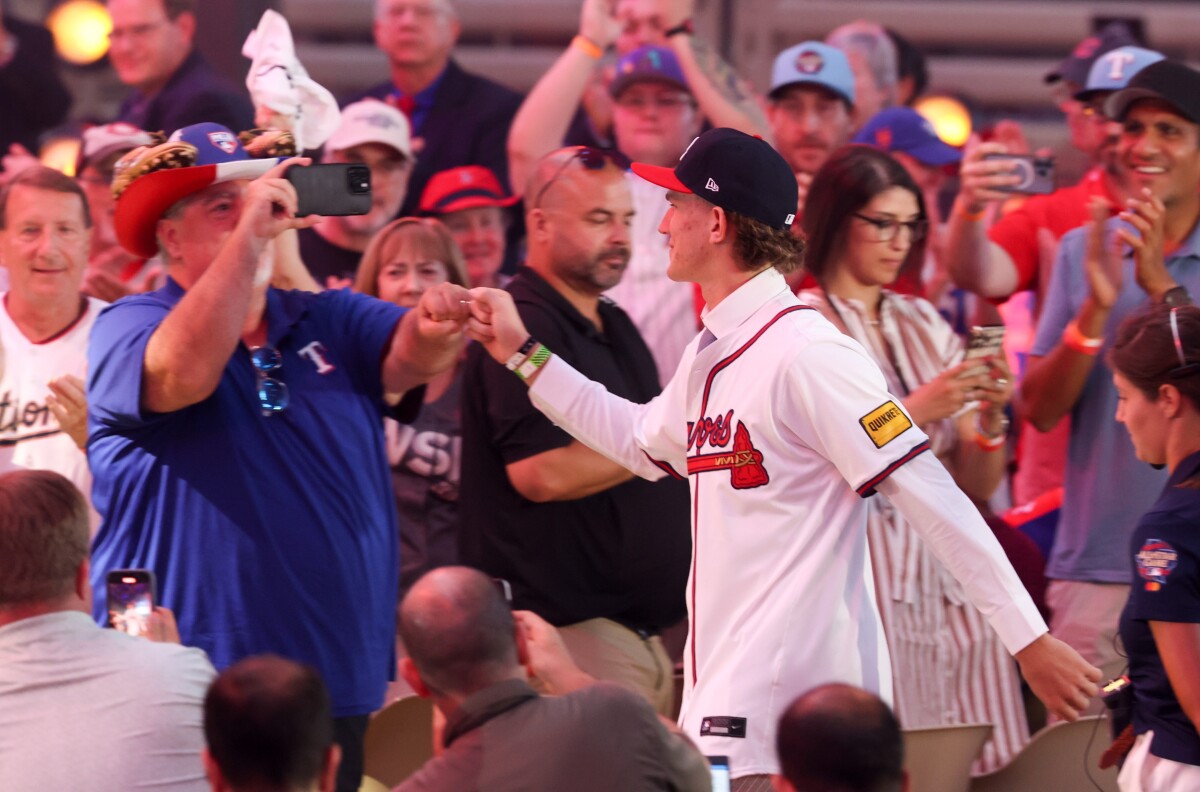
x: 236, y: 429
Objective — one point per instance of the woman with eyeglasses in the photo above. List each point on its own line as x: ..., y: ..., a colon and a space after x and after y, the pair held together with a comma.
x: 406, y: 258
x: 865, y: 223
x: 1156, y: 371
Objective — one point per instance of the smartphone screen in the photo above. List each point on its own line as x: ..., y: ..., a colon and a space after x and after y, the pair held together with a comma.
x: 719, y: 767
x: 130, y: 600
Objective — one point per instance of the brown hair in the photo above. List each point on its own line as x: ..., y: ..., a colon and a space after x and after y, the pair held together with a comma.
x: 431, y: 237
x: 173, y: 8
x: 757, y: 243
x: 1145, y: 353
x: 847, y: 182
x: 39, y: 177
x: 43, y: 536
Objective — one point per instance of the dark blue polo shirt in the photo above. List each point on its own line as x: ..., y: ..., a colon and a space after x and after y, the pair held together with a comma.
x: 1165, y: 554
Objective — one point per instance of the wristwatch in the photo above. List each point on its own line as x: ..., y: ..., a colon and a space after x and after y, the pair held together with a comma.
x: 1176, y: 297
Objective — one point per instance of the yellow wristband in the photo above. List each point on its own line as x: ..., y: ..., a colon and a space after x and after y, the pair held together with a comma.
x: 1075, y: 340
x: 587, y: 47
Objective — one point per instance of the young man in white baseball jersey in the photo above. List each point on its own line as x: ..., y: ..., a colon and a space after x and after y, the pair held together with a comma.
x: 782, y: 425
x: 45, y: 236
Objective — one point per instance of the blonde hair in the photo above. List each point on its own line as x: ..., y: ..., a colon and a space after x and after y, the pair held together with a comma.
x: 429, y: 235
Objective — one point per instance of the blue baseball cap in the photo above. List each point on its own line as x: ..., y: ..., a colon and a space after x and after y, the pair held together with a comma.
x: 647, y: 64
x: 813, y: 63
x: 1113, y: 70
x: 905, y: 130
x: 1074, y: 68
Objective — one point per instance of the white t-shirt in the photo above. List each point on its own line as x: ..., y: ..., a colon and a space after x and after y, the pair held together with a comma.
x: 782, y: 424
x: 663, y: 310
x: 29, y: 434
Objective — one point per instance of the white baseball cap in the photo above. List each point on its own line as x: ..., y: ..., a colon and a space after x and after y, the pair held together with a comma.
x: 371, y: 121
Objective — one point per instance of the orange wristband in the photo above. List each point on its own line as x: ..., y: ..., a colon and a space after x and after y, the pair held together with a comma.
x: 587, y: 47
x: 973, y: 217
x: 1075, y: 340
x: 989, y: 443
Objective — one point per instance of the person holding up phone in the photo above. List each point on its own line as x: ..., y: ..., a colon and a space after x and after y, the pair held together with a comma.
x: 237, y: 432
x: 865, y: 225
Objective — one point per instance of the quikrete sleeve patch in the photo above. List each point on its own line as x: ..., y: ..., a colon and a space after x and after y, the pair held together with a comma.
x: 885, y: 423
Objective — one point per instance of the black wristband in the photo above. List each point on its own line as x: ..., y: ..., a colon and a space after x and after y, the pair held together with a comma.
x: 684, y: 27
x: 1176, y: 297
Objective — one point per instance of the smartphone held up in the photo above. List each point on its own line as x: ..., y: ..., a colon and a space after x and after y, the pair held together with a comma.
x: 331, y: 189
x: 131, y: 597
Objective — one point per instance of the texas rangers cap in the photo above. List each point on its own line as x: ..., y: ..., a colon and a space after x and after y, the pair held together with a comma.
x: 813, y: 63
x: 647, y: 64
x: 1168, y: 81
x: 466, y: 187
x: 735, y: 171
x: 907, y: 131
x: 371, y: 121
x: 150, y: 180
x: 1074, y: 68
x: 1113, y: 70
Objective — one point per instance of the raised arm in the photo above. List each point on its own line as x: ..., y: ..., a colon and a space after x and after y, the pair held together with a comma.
x: 975, y: 262
x: 428, y: 339
x: 546, y: 113
x: 725, y: 99
x: 187, y: 353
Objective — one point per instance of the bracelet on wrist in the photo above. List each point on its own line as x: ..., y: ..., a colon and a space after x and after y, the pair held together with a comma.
x: 521, y: 355
x: 1075, y: 340
x: 968, y: 215
x: 587, y: 47
x: 535, y: 361
x: 686, y: 27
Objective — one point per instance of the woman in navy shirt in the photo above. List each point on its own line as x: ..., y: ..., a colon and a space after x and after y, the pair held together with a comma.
x: 1156, y: 365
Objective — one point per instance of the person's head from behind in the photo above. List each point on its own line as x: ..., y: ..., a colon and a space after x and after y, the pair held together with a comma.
x: 416, y: 34
x: 811, y: 108
x: 407, y: 258
x: 839, y: 738
x: 912, y: 141
x: 44, y: 544
x: 1159, y: 149
x: 476, y: 209
x: 1156, y: 371
x: 655, y: 115
x: 45, y: 237
x: 459, y: 633
x: 912, y: 71
x: 578, y: 215
x: 872, y: 57
x: 866, y: 222
x: 268, y: 726
x: 149, y: 40
x: 731, y: 204
x: 377, y: 135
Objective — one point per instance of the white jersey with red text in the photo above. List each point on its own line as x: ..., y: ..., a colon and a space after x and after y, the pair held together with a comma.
x: 782, y: 425
x: 29, y: 433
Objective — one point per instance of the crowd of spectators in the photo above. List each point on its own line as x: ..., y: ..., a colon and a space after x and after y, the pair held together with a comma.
x: 642, y: 354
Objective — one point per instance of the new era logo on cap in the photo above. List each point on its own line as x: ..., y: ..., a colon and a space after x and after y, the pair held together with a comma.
x: 712, y: 185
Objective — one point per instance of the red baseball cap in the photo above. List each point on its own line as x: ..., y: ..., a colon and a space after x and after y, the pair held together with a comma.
x: 467, y: 187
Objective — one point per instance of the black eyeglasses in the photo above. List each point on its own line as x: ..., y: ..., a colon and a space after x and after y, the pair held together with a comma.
x: 1184, y: 369
x: 591, y: 158
x: 886, y: 230
x: 273, y: 394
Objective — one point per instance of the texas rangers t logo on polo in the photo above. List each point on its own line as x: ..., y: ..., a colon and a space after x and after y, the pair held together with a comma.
x: 316, y: 352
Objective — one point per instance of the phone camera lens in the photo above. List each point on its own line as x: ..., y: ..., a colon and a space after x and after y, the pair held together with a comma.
x: 359, y: 180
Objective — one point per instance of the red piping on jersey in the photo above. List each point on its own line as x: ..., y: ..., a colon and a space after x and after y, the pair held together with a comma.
x: 868, y: 489
x: 665, y: 467
x: 724, y: 363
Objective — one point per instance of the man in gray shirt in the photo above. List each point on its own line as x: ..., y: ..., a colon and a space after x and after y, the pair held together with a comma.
x: 82, y: 707
x: 469, y: 654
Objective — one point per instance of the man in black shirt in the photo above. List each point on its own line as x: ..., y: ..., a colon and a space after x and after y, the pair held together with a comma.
x: 594, y: 551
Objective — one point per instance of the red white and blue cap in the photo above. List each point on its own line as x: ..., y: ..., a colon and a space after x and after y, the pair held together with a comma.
x: 813, y: 63
x: 193, y: 158
x: 1113, y: 70
x: 647, y: 64
x: 907, y: 131
x: 738, y: 172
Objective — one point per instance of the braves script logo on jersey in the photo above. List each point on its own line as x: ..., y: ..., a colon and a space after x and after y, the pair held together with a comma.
x: 885, y: 423
x: 744, y: 462
x: 24, y: 421
x: 1155, y: 561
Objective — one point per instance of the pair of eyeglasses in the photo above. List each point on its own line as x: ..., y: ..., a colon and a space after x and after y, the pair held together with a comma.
x: 886, y: 230
x: 663, y: 101
x: 273, y: 394
x: 1185, y: 369
x: 590, y: 158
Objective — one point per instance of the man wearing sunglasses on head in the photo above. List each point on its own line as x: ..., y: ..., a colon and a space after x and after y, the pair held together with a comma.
x: 236, y: 428
x: 594, y: 551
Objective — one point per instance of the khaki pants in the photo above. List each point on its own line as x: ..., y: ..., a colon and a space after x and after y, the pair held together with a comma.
x: 613, y: 652
x: 1085, y: 616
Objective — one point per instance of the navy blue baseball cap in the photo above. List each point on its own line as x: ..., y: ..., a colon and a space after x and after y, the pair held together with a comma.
x: 647, y: 64
x: 907, y: 131
x: 1074, y: 68
x: 738, y: 172
x: 1167, y: 81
